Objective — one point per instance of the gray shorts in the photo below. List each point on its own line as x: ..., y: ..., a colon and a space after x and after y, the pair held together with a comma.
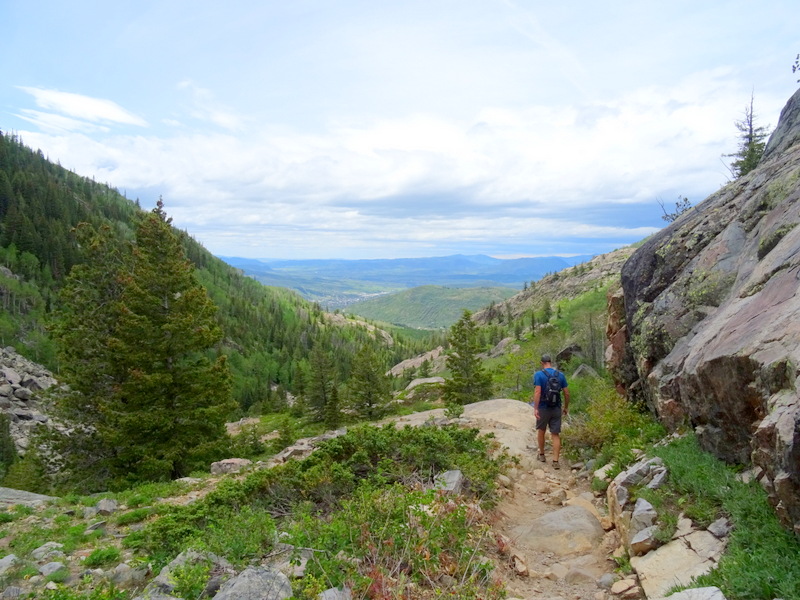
x: 549, y: 417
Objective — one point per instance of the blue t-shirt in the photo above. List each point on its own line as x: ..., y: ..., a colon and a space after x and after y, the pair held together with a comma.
x: 540, y: 379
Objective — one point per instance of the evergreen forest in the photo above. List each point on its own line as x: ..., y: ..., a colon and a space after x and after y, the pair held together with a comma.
x: 268, y: 333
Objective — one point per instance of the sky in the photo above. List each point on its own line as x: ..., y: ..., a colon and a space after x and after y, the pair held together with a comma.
x: 387, y: 129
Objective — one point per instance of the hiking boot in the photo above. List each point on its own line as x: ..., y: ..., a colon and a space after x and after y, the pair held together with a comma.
x: 542, y: 458
x: 556, y: 465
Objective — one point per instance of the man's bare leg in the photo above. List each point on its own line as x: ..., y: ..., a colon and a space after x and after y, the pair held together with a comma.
x: 556, y: 439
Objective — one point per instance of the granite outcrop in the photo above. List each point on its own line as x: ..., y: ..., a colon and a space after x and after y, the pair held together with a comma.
x: 711, y: 322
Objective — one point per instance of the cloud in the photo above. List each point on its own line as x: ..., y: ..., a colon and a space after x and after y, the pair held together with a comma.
x: 205, y: 108
x: 588, y: 170
x: 83, y: 108
x: 58, y: 123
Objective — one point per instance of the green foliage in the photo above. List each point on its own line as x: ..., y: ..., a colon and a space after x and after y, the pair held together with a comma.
x: 133, y: 516
x: 365, y: 455
x: 320, y: 382
x: 247, y: 443
x: 468, y: 381
x: 428, y: 306
x: 766, y: 244
x: 369, y: 386
x: 28, y: 474
x: 752, y: 143
x: 610, y: 428
x: 102, y: 556
x: 761, y: 558
x: 134, y: 329
x: 190, y: 579
x: 103, y: 591
x: 382, y: 532
x: 8, y: 451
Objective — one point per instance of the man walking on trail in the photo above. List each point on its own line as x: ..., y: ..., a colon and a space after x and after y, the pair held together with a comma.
x: 549, y: 383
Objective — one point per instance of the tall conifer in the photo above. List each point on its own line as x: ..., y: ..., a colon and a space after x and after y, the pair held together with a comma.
x: 152, y: 400
x: 468, y: 381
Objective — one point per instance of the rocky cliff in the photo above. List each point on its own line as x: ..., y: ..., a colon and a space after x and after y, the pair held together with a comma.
x: 712, y: 320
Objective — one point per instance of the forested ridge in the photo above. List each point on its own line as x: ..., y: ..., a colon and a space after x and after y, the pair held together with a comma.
x: 268, y: 332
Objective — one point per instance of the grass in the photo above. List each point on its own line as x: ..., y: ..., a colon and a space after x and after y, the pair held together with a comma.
x: 761, y: 561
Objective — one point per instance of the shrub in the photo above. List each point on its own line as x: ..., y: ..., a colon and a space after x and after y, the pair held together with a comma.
x: 610, y: 428
x: 102, y: 556
x: 134, y: 516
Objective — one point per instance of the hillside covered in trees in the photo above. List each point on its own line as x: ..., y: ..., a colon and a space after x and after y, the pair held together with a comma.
x: 268, y: 333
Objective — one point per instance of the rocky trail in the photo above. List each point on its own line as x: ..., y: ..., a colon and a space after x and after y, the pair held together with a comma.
x: 548, y: 525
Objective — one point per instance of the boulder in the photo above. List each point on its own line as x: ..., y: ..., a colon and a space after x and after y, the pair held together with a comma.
x: 424, y: 381
x: 711, y: 308
x: 106, y: 506
x: 7, y: 562
x: 450, y: 482
x: 230, y: 465
x: 705, y: 593
x: 569, y: 530
x: 256, y: 583
x: 677, y: 563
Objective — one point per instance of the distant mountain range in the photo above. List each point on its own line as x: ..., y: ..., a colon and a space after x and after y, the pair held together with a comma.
x: 338, y: 283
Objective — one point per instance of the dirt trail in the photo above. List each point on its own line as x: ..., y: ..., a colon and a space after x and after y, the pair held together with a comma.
x: 535, y: 490
x: 534, y: 495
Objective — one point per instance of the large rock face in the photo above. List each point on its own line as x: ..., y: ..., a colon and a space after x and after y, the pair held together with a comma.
x: 713, y: 320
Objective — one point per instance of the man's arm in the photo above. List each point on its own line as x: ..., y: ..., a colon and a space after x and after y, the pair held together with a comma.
x: 537, y: 394
x: 566, y: 402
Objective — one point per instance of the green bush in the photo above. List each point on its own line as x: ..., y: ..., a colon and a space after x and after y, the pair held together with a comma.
x: 365, y: 455
x: 102, y: 556
x: 610, y: 428
x: 136, y: 515
x: 102, y: 592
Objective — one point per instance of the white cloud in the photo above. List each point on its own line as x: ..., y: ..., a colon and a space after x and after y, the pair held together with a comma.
x: 85, y: 108
x: 429, y: 179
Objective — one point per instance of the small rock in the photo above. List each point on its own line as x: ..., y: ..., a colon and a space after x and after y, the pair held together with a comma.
x: 337, y: 594
x: 450, y: 482
x: 622, y: 586
x: 11, y: 593
x: 504, y: 481
x: 633, y: 593
x: 229, y: 465
x: 720, y: 528
x: 7, y: 562
x: 50, y: 568
x: 48, y: 550
x: 106, y: 506
x: 520, y: 566
x: 644, y: 541
x: 95, y: 527
x: 606, y: 581
x: 578, y: 575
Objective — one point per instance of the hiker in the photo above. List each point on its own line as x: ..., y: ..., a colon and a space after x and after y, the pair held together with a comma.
x: 548, y: 385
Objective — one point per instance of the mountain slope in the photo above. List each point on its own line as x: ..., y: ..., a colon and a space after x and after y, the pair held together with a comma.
x: 268, y: 331
x: 428, y: 306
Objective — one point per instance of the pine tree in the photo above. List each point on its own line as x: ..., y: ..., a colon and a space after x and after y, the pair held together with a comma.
x: 369, y: 386
x: 319, y: 382
x: 751, y: 144
x: 146, y: 394
x: 468, y: 381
